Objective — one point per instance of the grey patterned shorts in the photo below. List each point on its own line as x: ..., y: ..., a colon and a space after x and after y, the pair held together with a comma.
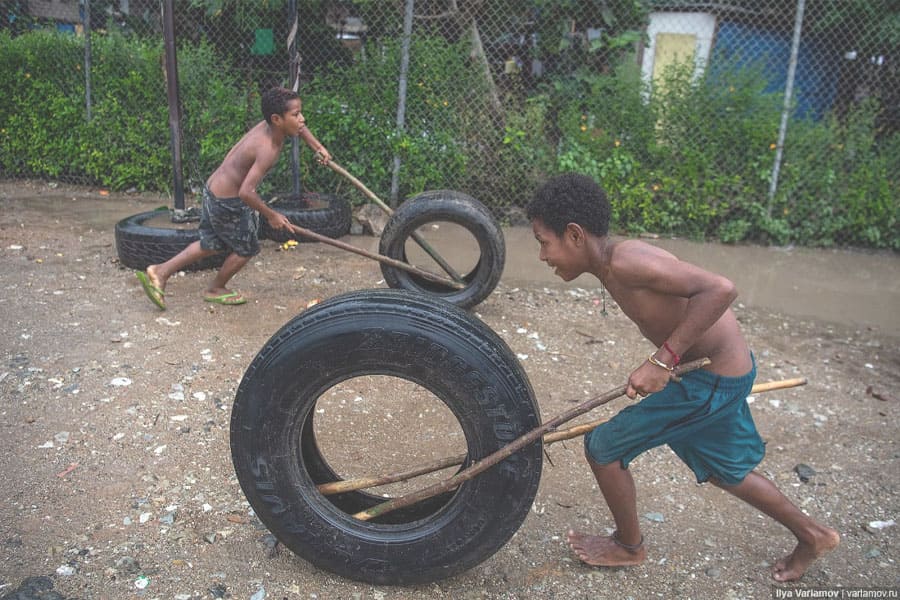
x: 228, y: 224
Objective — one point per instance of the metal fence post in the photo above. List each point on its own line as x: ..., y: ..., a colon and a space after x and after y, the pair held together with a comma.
x: 294, y: 75
x: 788, y: 96
x: 401, y: 100
x: 172, y: 94
x: 86, y: 22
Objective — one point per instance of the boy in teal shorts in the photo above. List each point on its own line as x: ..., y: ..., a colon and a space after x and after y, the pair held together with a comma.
x: 703, y: 416
x: 231, y: 207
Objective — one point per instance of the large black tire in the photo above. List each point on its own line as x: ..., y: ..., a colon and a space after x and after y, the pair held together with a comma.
x: 455, y: 207
x: 410, y: 336
x: 324, y: 214
x: 139, y: 245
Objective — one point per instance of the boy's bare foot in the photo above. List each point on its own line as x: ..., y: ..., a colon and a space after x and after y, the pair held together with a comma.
x: 795, y: 564
x: 605, y: 551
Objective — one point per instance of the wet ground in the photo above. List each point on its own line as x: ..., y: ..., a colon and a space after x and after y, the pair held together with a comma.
x: 851, y: 287
x: 114, y: 443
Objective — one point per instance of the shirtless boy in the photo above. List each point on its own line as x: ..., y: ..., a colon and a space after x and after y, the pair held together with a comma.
x: 231, y: 206
x: 703, y: 417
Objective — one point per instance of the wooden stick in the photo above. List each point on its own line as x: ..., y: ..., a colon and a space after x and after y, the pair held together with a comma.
x: 506, y: 451
x: 362, y: 483
x: 349, y: 485
x: 307, y: 233
x: 387, y: 209
x: 777, y: 385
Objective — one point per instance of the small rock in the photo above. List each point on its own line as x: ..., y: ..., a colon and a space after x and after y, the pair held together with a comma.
x: 259, y: 595
x: 372, y: 218
x: 655, y: 517
x: 877, y: 525
x: 128, y: 564
x: 804, y: 472
x: 714, y: 572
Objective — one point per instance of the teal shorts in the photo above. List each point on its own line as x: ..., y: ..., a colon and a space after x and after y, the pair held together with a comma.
x: 704, y: 419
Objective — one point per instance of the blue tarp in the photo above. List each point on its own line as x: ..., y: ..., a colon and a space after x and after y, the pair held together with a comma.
x: 815, y: 82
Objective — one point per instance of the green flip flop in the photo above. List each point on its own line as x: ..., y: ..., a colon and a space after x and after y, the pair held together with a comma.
x: 229, y: 299
x: 156, y: 295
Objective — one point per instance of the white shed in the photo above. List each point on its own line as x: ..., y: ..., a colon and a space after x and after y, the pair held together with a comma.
x: 677, y: 37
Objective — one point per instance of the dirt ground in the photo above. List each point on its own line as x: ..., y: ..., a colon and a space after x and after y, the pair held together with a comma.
x: 116, y: 467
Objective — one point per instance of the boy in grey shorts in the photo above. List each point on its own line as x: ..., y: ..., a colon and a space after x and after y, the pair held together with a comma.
x: 231, y: 205
x: 228, y: 224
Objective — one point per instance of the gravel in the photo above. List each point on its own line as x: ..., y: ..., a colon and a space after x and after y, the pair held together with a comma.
x: 115, y: 457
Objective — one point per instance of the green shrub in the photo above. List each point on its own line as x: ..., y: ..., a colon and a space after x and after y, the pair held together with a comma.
x: 843, y: 194
x: 354, y: 111
x: 216, y: 112
x: 692, y: 159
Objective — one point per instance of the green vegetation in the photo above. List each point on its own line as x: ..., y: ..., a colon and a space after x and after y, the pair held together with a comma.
x: 694, y: 161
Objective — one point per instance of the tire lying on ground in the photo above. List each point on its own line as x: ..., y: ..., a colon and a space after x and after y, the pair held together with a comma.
x: 448, y: 206
x: 325, y: 214
x: 140, y: 245
x: 417, y: 338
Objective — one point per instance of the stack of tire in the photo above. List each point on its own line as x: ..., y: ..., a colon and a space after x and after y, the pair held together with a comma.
x: 140, y: 245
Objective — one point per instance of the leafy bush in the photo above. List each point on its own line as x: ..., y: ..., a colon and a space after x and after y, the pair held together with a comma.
x: 354, y: 112
x: 216, y: 111
x: 44, y: 129
x: 696, y: 160
x: 845, y: 194
x: 693, y: 158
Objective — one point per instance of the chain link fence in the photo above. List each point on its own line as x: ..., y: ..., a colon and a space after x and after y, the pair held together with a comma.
x: 766, y: 121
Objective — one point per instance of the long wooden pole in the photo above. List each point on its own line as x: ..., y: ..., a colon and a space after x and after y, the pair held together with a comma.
x: 307, y: 233
x: 362, y: 483
x: 492, y: 459
x: 387, y: 209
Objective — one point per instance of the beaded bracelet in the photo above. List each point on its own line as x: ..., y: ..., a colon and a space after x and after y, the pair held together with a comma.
x: 653, y: 360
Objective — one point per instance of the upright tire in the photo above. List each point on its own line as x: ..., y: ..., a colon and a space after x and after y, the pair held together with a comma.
x: 396, y: 334
x: 139, y: 245
x: 449, y: 206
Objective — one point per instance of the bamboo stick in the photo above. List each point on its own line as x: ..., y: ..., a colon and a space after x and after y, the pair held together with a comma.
x: 387, y: 209
x: 379, y: 257
x: 362, y: 483
x: 506, y: 451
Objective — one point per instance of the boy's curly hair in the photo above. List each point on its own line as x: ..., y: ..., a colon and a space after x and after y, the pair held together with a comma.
x: 571, y: 198
x: 274, y: 102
